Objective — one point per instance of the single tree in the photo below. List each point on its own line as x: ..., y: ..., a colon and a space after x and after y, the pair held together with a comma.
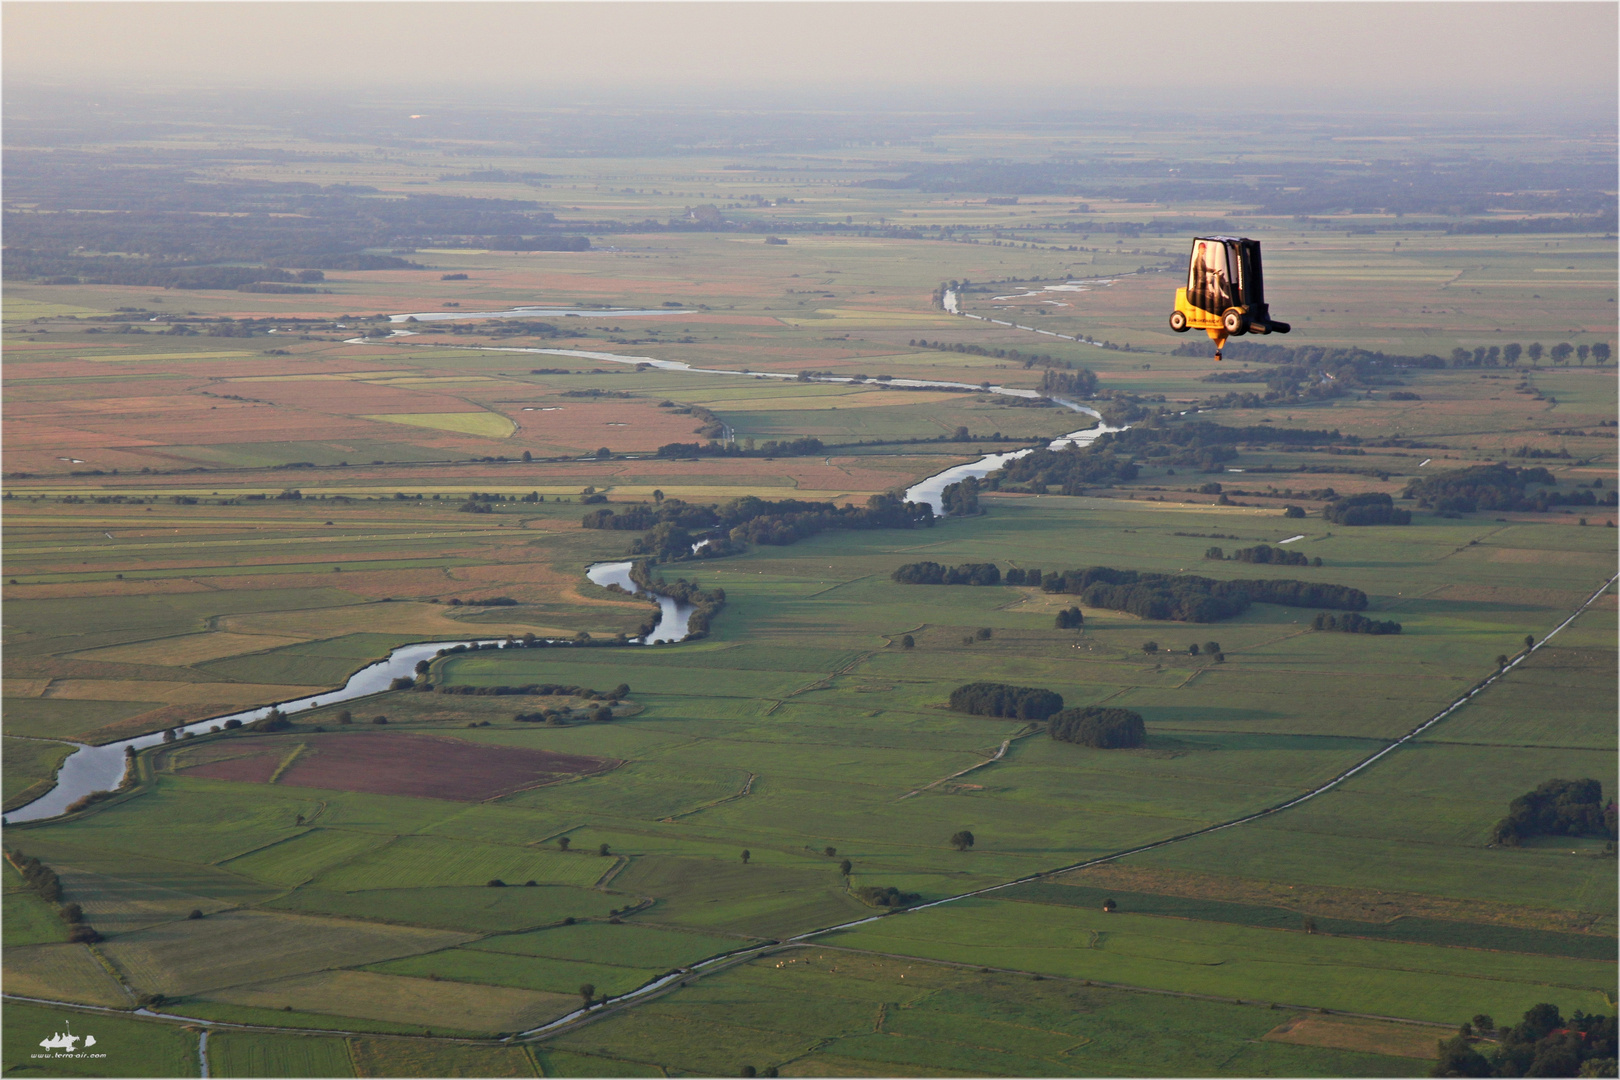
x: 1533, y: 350
x: 1484, y: 1024
x: 746, y: 855
x: 587, y: 991
x: 603, y: 453
x: 962, y: 841
x: 1511, y: 353
x: 1501, y: 660
x: 1582, y: 353
x: 845, y: 867
x: 1150, y: 647
x: 563, y: 842
x: 829, y: 851
x: 496, y: 883
x: 196, y: 913
x: 603, y: 850
x: 528, y: 456
x: 1109, y: 905
x: 1192, y: 650
x: 1212, y: 646
x: 908, y: 642
x: 1561, y: 351
x: 1601, y: 353
x: 421, y: 667
x: 658, y: 496
x: 983, y: 633
x: 1529, y: 640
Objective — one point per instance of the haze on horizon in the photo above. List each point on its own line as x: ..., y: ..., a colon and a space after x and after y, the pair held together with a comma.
x: 1556, y: 60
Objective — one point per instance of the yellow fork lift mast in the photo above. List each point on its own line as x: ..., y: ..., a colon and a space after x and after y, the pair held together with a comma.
x: 1226, y: 292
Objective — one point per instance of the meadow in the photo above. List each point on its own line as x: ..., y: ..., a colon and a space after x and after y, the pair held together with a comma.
x: 198, y: 525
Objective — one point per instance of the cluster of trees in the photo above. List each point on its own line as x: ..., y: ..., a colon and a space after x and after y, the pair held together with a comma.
x: 559, y: 718
x: 932, y: 573
x: 1075, y: 468
x: 886, y: 896
x: 1368, y: 508
x: 1351, y: 623
x: 706, y: 603
x: 1497, y: 487
x: 960, y: 499
x: 1070, y: 618
x: 749, y: 519
x: 1003, y: 699
x: 1557, y: 808
x: 1543, y: 1043
x: 1016, y: 576
x: 804, y: 447
x: 1098, y: 727
x: 1262, y: 553
x: 43, y: 880
x: 1188, y: 598
x: 1081, y: 383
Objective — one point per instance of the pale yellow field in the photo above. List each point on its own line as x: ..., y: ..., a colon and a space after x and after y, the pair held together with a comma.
x: 233, y: 948
x: 177, y: 693
x: 1368, y: 1036
x: 401, y: 999
x: 466, y: 423
x: 186, y: 649
x: 61, y: 973
x: 429, y: 620
x: 126, y: 359
x: 25, y: 687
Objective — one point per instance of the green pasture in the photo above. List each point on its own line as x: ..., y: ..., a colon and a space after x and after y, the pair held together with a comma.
x: 526, y: 972
x: 124, y: 1046
x: 465, y: 907
x: 1407, y: 928
x: 819, y: 1011
x: 30, y: 766
x: 1294, y: 968
x: 260, y: 1054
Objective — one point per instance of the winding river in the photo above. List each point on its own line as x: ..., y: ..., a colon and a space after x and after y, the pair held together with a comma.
x: 101, y: 768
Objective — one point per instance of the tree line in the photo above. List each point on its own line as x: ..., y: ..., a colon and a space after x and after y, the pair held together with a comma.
x: 1074, y: 468
x: 1099, y: 727
x: 803, y: 447
x: 1498, y: 487
x: 751, y: 520
x: 1351, y: 623
x: 1081, y: 382
x: 1557, y: 808
x: 48, y: 887
x: 541, y: 690
x: 932, y: 573
x: 1003, y: 699
x: 1189, y: 598
x: 1264, y: 553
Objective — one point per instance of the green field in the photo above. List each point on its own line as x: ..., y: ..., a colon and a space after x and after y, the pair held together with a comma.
x: 255, y: 1054
x: 817, y: 1012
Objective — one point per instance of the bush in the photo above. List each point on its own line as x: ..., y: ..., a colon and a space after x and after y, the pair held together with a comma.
x: 1098, y: 727
x: 1002, y: 699
x: 885, y: 896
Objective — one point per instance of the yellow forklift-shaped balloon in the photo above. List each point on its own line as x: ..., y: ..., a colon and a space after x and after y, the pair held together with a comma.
x: 1226, y: 292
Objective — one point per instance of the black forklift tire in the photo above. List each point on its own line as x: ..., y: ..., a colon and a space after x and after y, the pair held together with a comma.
x: 1280, y: 328
x: 1178, y: 322
x: 1234, y: 323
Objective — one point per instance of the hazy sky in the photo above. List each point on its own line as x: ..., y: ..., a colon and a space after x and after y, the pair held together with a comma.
x: 1261, y: 54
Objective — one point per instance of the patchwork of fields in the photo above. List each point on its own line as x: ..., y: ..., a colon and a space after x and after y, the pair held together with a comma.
x: 412, y: 883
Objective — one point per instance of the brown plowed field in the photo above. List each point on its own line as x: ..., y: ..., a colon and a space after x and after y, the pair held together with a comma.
x: 421, y: 766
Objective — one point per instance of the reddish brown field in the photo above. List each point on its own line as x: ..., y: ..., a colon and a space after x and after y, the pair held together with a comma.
x: 420, y: 766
